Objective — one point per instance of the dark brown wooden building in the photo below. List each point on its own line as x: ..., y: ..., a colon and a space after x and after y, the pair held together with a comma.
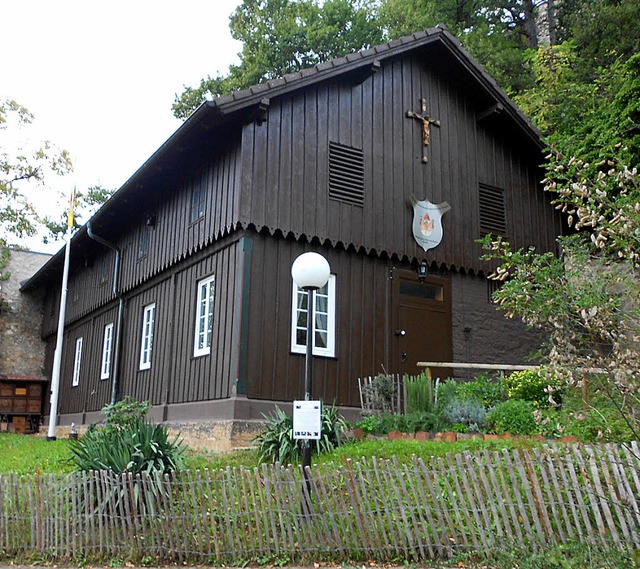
x: 326, y: 160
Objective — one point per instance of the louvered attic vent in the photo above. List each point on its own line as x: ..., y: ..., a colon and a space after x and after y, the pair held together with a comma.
x: 346, y: 174
x: 493, y: 216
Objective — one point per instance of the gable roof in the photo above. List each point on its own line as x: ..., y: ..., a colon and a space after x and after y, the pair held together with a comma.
x: 438, y: 44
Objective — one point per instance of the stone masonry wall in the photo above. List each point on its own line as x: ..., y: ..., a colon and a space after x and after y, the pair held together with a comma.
x: 21, y: 348
x: 481, y: 333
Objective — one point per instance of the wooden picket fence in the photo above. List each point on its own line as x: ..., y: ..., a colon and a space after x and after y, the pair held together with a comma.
x: 370, y: 509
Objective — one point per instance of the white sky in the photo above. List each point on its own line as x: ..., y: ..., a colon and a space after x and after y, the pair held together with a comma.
x: 100, y: 77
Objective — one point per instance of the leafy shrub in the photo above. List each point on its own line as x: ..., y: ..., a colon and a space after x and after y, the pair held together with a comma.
x: 407, y: 423
x: 126, y: 412
x: 465, y: 411
x: 423, y: 421
x: 370, y: 424
x: 514, y: 416
x: 601, y: 423
x: 445, y: 392
x: 136, y: 447
x: 532, y: 386
x: 275, y: 443
x: 485, y: 389
x: 419, y: 391
x: 489, y: 391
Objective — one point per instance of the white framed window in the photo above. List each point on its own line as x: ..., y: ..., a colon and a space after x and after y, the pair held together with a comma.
x: 107, y: 348
x: 146, y: 344
x: 204, y: 317
x: 75, y: 380
x: 324, y: 315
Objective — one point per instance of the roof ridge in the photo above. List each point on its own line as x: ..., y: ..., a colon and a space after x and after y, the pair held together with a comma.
x: 334, y: 63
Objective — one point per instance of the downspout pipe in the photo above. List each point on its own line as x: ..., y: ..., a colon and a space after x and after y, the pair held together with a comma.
x: 118, y: 339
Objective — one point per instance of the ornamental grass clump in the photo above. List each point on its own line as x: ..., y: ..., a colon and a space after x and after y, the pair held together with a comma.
x: 420, y: 393
x: 128, y: 443
x: 275, y: 443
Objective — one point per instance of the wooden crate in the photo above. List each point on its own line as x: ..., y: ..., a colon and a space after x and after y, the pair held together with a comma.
x: 20, y: 424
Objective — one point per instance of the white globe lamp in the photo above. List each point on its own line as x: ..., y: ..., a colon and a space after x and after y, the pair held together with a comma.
x: 310, y: 271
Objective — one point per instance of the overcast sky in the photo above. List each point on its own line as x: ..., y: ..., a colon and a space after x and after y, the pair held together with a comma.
x: 100, y: 77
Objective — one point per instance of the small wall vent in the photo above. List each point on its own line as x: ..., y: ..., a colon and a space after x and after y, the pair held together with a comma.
x: 493, y: 215
x: 346, y: 174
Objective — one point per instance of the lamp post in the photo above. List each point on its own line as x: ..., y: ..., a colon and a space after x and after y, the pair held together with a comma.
x: 310, y: 272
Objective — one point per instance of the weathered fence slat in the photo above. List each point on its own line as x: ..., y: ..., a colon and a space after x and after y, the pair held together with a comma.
x: 328, y: 532
x: 442, y: 527
x: 523, y: 511
x: 591, y: 494
x: 626, y: 505
x: 482, y: 500
x: 370, y: 508
x: 631, y: 478
x: 553, y: 494
x: 536, y: 491
x: 429, y: 525
x: 462, y: 515
x: 499, y: 496
x: 269, y: 502
x: 606, y: 462
x: 412, y: 507
x: 478, y: 527
x: 527, y: 485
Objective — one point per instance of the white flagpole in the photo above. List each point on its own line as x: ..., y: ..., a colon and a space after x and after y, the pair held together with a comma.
x: 57, y: 357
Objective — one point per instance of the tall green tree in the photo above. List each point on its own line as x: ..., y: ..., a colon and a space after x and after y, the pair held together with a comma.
x: 284, y: 36
x: 588, y: 300
x: 601, y: 30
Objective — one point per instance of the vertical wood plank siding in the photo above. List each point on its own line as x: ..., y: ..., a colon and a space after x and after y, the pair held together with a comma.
x: 171, y: 239
x: 285, y: 184
x: 362, y: 289
x: 268, y: 182
x: 91, y: 393
x: 175, y: 375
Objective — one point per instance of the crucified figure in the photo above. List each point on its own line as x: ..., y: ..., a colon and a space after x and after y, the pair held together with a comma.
x: 426, y: 122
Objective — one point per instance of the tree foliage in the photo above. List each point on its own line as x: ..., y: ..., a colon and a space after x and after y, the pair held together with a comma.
x: 23, y: 169
x: 86, y: 204
x: 285, y: 36
x: 588, y: 300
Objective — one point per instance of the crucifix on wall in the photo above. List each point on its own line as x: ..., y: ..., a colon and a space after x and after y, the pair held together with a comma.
x: 426, y: 121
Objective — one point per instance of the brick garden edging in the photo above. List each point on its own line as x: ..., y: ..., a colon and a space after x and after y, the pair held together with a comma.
x: 452, y: 437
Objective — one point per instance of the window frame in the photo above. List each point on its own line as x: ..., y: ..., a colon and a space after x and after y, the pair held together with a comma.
x: 330, y: 350
x: 204, y: 312
x: 77, y: 362
x: 146, y: 340
x: 144, y: 239
x: 107, y: 351
x: 198, y: 206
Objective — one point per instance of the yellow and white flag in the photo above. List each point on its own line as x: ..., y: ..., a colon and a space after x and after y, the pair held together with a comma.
x: 73, y: 202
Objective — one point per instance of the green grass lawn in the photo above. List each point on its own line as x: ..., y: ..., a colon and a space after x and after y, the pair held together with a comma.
x: 26, y: 454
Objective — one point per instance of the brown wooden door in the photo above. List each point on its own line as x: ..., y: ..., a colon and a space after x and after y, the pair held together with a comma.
x: 423, y: 323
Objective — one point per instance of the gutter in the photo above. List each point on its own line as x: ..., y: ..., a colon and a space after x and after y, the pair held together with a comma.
x: 121, y: 303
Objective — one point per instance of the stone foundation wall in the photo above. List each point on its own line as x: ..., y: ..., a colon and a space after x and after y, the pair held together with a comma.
x: 214, y: 436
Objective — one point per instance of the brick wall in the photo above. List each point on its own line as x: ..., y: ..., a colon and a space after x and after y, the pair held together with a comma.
x: 21, y: 349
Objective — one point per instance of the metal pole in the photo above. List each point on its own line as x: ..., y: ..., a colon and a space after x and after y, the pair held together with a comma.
x: 57, y: 357
x: 306, y: 447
